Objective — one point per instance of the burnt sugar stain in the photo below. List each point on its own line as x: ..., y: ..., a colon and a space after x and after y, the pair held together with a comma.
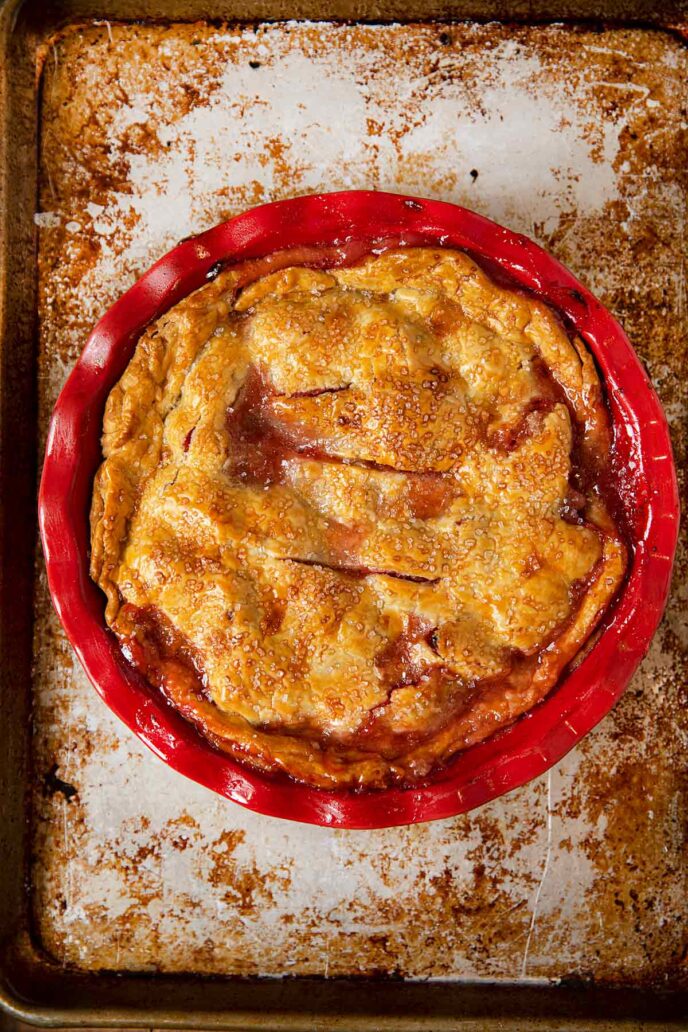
x: 52, y: 784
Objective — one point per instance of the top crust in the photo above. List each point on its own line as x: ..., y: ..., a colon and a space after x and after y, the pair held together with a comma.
x: 348, y: 519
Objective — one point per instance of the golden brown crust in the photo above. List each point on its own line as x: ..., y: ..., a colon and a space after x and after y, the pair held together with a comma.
x: 344, y: 493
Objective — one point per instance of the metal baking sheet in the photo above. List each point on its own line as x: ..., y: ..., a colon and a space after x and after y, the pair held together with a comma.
x: 572, y: 134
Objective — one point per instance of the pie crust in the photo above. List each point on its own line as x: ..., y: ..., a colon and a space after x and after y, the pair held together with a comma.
x: 352, y: 520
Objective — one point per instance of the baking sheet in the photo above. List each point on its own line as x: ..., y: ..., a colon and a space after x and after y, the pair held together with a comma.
x: 574, y: 137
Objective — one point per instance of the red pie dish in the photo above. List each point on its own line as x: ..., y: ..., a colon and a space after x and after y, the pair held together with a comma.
x: 382, y: 509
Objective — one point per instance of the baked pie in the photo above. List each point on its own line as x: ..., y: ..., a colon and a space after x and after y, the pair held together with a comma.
x: 352, y: 520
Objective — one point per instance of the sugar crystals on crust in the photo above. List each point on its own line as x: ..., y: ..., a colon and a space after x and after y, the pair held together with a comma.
x: 350, y: 521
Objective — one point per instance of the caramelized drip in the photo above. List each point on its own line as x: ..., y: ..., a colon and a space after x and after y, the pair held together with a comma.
x: 273, y: 618
x: 572, y: 507
x: 577, y: 590
x: 160, y: 652
x: 344, y: 540
x: 429, y: 495
x: 259, y: 446
x: 508, y: 438
x: 398, y: 662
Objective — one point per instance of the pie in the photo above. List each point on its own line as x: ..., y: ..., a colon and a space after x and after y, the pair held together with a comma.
x: 352, y: 520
